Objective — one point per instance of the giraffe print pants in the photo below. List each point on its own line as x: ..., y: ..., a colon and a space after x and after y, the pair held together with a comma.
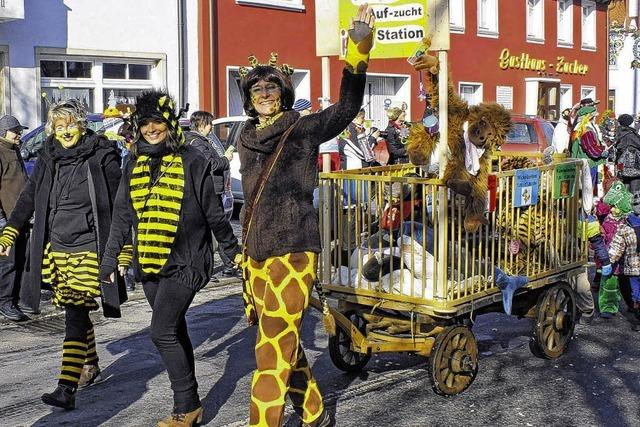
x: 279, y: 288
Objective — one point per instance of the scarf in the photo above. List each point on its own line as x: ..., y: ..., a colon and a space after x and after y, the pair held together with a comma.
x: 85, y: 148
x: 154, y: 152
x: 472, y: 153
x: 157, y: 202
x: 265, y: 140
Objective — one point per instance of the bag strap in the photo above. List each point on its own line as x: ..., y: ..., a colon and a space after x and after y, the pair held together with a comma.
x: 260, y: 184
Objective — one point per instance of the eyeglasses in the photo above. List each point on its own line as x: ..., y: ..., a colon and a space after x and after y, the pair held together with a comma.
x: 60, y: 129
x: 269, y: 89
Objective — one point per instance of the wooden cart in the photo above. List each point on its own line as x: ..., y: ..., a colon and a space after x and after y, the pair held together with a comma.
x: 428, y: 304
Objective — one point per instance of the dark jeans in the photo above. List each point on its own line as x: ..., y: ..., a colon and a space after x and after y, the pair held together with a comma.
x: 625, y: 289
x: 11, y: 269
x: 76, y: 323
x: 633, y: 185
x: 169, y: 301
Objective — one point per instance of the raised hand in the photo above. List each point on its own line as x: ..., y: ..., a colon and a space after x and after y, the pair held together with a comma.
x: 360, y: 40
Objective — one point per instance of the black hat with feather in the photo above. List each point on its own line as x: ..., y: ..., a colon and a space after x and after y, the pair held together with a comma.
x: 157, y: 105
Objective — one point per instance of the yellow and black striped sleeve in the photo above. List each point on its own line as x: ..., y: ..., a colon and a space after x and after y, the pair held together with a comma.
x: 8, y: 237
x: 126, y: 256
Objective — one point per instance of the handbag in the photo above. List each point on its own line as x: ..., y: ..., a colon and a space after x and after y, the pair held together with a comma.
x: 112, y: 294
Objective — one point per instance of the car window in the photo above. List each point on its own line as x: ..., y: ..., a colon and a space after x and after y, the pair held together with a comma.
x: 547, y: 129
x: 236, y: 134
x: 31, y: 146
x: 95, y: 126
x: 522, y: 133
x: 223, y: 131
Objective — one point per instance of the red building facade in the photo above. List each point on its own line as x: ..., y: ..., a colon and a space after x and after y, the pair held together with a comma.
x: 533, y: 56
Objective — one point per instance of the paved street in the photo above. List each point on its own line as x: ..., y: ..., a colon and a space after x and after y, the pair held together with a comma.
x: 596, y: 383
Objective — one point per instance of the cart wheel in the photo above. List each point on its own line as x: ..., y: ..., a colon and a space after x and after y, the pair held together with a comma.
x: 453, y: 364
x: 340, y: 351
x: 554, y: 323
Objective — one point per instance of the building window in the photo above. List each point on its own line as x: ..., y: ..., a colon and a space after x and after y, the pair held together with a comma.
x: 470, y: 92
x: 588, y: 92
x: 300, y: 79
x: 275, y: 4
x: 93, y: 79
x: 66, y: 69
x: 566, y: 96
x: 126, y: 71
x: 456, y: 16
x: 535, y: 21
x: 52, y: 95
x: 122, y: 96
x: 488, y: 18
x: 588, y: 24
x: 565, y: 22
x: 611, y: 102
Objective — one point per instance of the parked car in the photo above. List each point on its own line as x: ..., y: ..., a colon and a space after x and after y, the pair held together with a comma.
x: 227, y: 130
x: 528, y: 134
x: 33, y: 141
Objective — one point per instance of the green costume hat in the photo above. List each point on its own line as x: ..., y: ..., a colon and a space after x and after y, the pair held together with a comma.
x: 620, y: 198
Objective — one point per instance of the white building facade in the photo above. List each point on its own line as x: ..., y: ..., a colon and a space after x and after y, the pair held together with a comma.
x: 624, y: 57
x: 87, y: 48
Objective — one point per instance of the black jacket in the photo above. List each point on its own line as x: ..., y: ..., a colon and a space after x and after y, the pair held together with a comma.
x: 397, y: 150
x: 191, y: 259
x: 219, y: 164
x: 12, y: 178
x: 103, y: 166
x: 628, y: 153
x: 284, y: 221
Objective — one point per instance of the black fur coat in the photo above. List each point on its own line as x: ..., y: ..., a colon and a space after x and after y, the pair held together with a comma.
x: 284, y: 220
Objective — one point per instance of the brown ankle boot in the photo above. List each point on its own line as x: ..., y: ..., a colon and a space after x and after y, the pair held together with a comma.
x: 183, y: 420
x: 90, y: 375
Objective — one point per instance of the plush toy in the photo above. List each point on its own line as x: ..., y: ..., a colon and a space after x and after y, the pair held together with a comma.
x: 474, y: 132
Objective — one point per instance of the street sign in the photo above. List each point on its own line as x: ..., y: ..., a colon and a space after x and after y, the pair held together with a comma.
x: 400, y: 26
x: 327, y: 28
x: 401, y: 35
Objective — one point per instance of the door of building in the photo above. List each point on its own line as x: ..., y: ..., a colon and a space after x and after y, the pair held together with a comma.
x: 549, y: 100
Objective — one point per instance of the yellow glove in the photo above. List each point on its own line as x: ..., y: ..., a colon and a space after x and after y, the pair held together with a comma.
x: 360, y: 40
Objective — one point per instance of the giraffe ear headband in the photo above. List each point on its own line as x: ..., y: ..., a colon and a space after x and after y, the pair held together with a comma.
x: 285, y: 69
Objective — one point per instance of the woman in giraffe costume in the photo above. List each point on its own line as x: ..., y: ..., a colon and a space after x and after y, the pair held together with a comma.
x: 280, y: 233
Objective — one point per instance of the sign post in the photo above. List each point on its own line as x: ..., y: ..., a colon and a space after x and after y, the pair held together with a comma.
x: 438, y: 11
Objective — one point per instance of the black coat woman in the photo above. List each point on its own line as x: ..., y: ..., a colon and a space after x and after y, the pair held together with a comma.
x: 167, y: 195
x: 71, y: 193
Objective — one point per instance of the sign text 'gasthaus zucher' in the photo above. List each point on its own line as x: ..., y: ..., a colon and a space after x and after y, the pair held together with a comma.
x: 526, y: 62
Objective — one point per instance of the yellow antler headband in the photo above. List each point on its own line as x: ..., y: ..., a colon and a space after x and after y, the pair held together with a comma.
x: 286, y: 69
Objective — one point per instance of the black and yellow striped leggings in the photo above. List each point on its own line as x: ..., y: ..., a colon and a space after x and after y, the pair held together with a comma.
x: 79, y: 347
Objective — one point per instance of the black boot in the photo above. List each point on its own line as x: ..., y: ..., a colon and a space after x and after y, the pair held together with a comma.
x: 324, y: 420
x: 62, y: 397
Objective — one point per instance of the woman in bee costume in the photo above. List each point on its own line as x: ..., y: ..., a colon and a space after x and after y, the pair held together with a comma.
x: 167, y: 195
x: 71, y: 192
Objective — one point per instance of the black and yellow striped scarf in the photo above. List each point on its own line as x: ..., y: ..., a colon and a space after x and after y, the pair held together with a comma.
x: 158, y: 209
